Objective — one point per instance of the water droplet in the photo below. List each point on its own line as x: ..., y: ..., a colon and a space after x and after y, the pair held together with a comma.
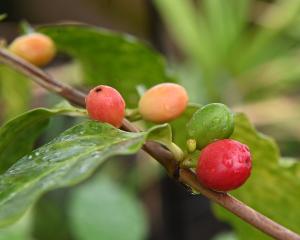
x: 228, y: 163
x: 37, y: 153
x: 95, y: 155
x: 83, y: 168
x: 29, y: 157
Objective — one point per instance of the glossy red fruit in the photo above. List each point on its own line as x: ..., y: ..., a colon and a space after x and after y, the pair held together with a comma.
x: 105, y: 104
x: 224, y: 165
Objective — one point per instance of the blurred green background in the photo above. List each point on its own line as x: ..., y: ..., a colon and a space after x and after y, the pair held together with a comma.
x: 240, y: 52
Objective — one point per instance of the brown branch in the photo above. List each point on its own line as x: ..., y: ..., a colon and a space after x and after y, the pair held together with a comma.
x: 163, y: 156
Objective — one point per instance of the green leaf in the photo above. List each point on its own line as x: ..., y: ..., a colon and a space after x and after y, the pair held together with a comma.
x: 272, y: 188
x: 225, y: 236
x: 14, y: 92
x: 225, y: 20
x: 66, y: 160
x: 173, y: 135
x: 190, y: 32
x: 193, y: 35
x: 25, y: 27
x: 19, y: 231
x: 2, y: 16
x: 179, y: 125
x: 101, y: 209
x: 276, y: 77
x: 50, y: 219
x: 161, y: 133
x: 18, y: 135
x: 267, y: 42
x: 120, y: 61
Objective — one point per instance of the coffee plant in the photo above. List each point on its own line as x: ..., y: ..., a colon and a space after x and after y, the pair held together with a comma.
x: 206, y: 146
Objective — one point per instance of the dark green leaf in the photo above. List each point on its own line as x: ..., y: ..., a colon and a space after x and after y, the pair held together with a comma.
x: 18, y: 135
x: 161, y: 133
x: 272, y: 188
x: 14, y: 92
x: 120, y: 61
x: 101, y: 209
x: 18, y: 231
x: 66, y: 160
x: 50, y: 219
x: 179, y: 125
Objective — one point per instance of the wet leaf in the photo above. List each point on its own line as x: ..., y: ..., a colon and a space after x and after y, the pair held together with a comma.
x: 18, y: 135
x: 66, y: 160
x: 14, y: 92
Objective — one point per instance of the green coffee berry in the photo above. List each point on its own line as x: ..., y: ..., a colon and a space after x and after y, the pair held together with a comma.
x: 211, y: 122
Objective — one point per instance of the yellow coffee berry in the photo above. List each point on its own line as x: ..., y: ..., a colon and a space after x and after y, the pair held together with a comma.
x: 35, y: 48
x: 163, y: 102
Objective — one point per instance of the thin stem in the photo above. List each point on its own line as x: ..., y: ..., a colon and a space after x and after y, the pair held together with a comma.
x: 163, y: 156
x: 42, y: 78
x: 133, y: 115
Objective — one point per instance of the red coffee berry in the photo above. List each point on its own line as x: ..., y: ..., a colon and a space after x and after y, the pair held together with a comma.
x: 105, y: 104
x: 35, y: 48
x: 224, y: 165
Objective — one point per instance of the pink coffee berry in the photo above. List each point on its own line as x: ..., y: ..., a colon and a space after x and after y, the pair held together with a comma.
x: 163, y: 102
x: 105, y: 104
x: 224, y: 165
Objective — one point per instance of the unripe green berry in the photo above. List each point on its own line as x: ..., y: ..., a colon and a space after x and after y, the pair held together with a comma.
x: 35, y: 48
x: 105, y: 104
x: 211, y: 122
x: 163, y: 102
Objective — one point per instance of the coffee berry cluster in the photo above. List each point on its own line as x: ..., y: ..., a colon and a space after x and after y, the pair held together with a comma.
x: 223, y: 164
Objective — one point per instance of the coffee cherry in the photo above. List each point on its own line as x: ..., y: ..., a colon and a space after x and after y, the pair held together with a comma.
x: 211, y: 122
x: 163, y: 102
x: 35, y: 48
x: 224, y: 165
x: 105, y: 104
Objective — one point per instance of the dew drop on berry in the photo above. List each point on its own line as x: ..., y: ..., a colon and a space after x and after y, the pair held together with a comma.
x: 228, y: 163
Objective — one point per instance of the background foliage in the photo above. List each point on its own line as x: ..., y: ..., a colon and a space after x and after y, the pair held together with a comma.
x: 230, y: 54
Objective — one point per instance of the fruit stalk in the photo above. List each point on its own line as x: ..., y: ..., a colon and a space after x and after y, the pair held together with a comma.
x: 163, y: 156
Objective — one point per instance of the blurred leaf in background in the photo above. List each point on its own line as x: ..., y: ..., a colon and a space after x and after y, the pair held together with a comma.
x: 226, y: 40
x: 15, y: 93
x: 101, y: 209
x: 120, y: 61
x: 180, y: 136
x: 18, y: 231
x: 233, y: 55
